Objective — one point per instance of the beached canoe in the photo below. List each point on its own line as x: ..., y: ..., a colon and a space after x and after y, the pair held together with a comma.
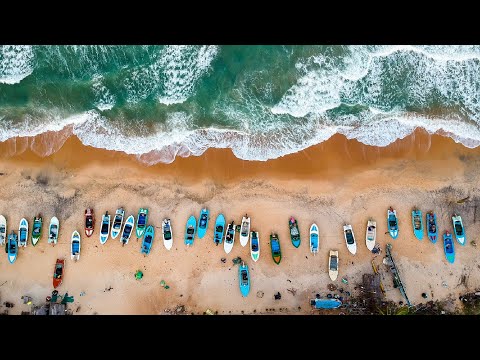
x: 432, y: 227
x: 127, y: 230
x: 58, y: 273
x: 448, y: 247
x: 53, y: 230
x: 254, y: 245
x: 275, y: 247
x: 142, y: 220
x: 167, y: 234
x: 12, y: 247
x: 190, y: 230
x: 89, y: 221
x: 371, y: 234
x: 229, y: 237
x: 36, y: 229
x: 245, y: 230
x: 23, y: 233
x: 3, y: 230
x: 333, y: 264
x: 244, y: 279
x: 219, y: 229
x: 417, y: 223
x: 294, y: 231
x: 458, y: 229
x: 325, y: 303
x: 203, y: 223
x: 75, y: 246
x: 350, y: 239
x: 147, y: 241
x: 117, y: 223
x: 314, y: 239
x: 105, y: 229
x: 392, y: 223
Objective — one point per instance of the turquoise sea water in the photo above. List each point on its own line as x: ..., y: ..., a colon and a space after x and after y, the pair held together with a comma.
x: 261, y: 101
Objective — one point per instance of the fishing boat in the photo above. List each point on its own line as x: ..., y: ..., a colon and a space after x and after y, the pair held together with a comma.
x: 327, y: 303
x: 36, y: 229
x: 3, y: 229
x: 314, y: 239
x: 294, y: 231
x: 89, y: 221
x: 417, y: 223
x: 333, y: 264
x: 12, y: 247
x: 148, y: 240
x: 458, y: 229
x: 127, y: 230
x: 142, y: 219
x: 275, y: 247
x: 245, y: 230
x: 190, y: 230
x: 432, y: 227
x: 75, y: 246
x: 448, y: 247
x: 58, y: 273
x: 350, y: 239
x: 23, y: 233
x: 53, y: 230
x: 229, y: 238
x: 219, y: 229
x: 167, y: 234
x: 203, y: 223
x: 244, y: 279
x: 254, y: 245
x: 371, y: 234
x: 105, y: 229
x: 117, y: 223
x: 392, y: 222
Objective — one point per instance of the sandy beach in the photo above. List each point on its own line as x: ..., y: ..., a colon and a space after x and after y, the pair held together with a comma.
x: 337, y: 182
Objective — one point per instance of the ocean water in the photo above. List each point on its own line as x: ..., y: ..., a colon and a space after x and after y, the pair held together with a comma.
x: 262, y: 102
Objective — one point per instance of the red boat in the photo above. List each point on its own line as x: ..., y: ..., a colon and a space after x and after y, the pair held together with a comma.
x: 58, y: 272
x: 89, y: 222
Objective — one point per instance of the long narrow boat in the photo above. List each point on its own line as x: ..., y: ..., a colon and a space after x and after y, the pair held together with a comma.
x: 350, y: 239
x: 12, y: 247
x: 53, y: 230
x: 333, y: 264
x: 203, y: 223
x: 190, y: 230
x: 89, y: 221
x: 142, y: 220
x: 314, y: 239
x: 325, y: 303
x: 75, y: 246
x: 392, y: 222
x: 229, y: 238
x: 148, y: 240
x: 294, y: 231
x: 36, y: 229
x: 23, y: 233
x: 245, y: 230
x: 244, y: 279
x: 275, y: 247
x: 458, y: 229
x: 58, y: 273
x: 167, y: 234
x: 219, y: 229
x: 448, y: 247
x: 127, y: 230
x: 105, y: 229
x: 254, y: 245
x: 371, y: 234
x: 417, y: 223
x: 432, y: 229
x: 117, y: 223
x: 3, y: 229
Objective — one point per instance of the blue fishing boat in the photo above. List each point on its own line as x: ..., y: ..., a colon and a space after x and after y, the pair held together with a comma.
x: 458, y: 229
x: 432, y: 227
x: 148, y: 240
x: 219, y: 229
x: 190, y: 230
x: 417, y: 223
x: 392, y: 222
x: 203, y: 223
x: 12, y: 247
x: 244, y: 279
x: 275, y: 247
x: 294, y: 232
x: 448, y: 247
x: 325, y: 303
x: 314, y: 239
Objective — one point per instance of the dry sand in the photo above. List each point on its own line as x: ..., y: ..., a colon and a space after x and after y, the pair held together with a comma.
x: 337, y: 182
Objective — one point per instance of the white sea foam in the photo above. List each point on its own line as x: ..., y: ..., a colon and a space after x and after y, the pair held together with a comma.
x: 105, y: 100
x: 16, y: 63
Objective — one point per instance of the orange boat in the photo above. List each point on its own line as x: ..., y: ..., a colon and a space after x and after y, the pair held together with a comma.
x: 58, y: 272
x: 89, y: 222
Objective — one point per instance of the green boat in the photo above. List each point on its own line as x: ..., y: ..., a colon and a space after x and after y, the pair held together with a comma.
x: 36, y: 229
x: 275, y: 246
x: 142, y: 222
x: 294, y: 232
